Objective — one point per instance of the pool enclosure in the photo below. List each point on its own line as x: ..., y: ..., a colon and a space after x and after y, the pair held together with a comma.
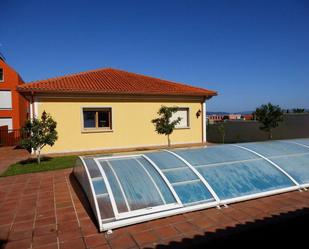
x: 128, y: 189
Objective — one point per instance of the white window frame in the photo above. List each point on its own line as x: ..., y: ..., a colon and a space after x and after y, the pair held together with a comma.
x: 99, y: 129
x: 188, y: 118
x: 11, y: 107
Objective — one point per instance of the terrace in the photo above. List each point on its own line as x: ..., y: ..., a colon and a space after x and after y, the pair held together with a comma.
x: 51, y: 209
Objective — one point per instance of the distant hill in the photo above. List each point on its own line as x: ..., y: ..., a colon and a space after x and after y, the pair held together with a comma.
x: 244, y: 112
x: 217, y: 113
x: 226, y: 113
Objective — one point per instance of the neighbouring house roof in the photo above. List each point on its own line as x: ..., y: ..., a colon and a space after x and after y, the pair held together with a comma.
x: 112, y: 81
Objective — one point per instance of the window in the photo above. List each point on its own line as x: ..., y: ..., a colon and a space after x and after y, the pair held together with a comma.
x: 1, y: 75
x: 6, y: 122
x: 5, y: 100
x: 97, y: 118
x: 182, y: 113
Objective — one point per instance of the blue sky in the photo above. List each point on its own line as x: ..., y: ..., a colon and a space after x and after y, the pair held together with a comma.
x: 251, y: 52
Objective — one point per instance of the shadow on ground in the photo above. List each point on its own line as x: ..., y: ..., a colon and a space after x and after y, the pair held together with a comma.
x: 82, y: 197
x: 2, y: 243
x: 34, y: 160
x: 289, y: 228
x: 280, y: 230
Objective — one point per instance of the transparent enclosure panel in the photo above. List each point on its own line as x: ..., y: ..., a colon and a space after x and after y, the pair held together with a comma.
x: 180, y: 175
x: 193, y: 192
x: 304, y: 141
x: 185, y: 182
x: 98, y: 185
x: 118, y: 195
x: 140, y: 191
x: 215, y: 154
x: 92, y: 167
x: 240, y: 179
x: 296, y: 166
x: 81, y: 175
x: 138, y: 184
x: 165, y: 160
x: 105, y: 207
x: 166, y: 192
x: 275, y: 148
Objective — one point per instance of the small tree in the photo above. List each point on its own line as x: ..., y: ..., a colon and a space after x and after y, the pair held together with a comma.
x: 163, y: 124
x: 221, y: 130
x: 270, y: 116
x: 40, y: 132
x: 298, y: 110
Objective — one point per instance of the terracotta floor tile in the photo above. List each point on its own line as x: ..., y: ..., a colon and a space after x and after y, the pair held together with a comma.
x: 45, y: 214
x: 138, y: 228
x: 89, y: 230
x: 73, y: 244
x: 65, y: 217
x: 49, y: 246
x: 22, y: 226
x: 158, y: 223
x: 44, y: 230
x: 19, y: 235
x: 106, y: 246
x: 60, y: 205
x: 68, y: 226
x: 44, y: 240
x: 166, y: 232
x: 69, y: 235
x: 186, y: 227
x: 122, y: 242
x: 22, y: 218
x: 204, y: 222
x: 6, y: 220
x: 95, y: 240
x: 145, y: 237
x: 19, y: 244
x: 45, y: 221
x: 176, y: 219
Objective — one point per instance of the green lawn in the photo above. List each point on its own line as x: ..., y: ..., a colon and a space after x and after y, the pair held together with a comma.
x: 47, y: 164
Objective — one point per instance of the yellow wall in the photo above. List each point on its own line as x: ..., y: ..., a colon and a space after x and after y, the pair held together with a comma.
x: 132, y: 125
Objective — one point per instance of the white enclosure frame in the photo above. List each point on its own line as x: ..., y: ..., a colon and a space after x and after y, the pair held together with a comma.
x: 146, y: 214
x: 202, y: 179
x: 129, y: 213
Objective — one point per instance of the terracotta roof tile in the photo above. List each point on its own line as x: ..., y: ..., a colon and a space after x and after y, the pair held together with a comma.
x: 112, y: 81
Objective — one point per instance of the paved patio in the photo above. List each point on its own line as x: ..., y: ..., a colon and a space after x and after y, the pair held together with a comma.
x: 11, y: 155
x: 48, y: 210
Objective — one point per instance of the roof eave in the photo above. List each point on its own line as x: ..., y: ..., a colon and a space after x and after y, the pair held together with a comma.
x: 30, y: 91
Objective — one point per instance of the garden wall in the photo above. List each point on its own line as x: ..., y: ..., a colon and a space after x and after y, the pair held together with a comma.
x: 293, y: 126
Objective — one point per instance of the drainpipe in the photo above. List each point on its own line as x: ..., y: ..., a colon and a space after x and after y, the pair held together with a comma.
x: 204, y: 120
x: 31, y: 106
x: 32, y: 111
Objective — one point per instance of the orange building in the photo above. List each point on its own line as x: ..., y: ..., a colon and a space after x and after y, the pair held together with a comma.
x: 13, y: 106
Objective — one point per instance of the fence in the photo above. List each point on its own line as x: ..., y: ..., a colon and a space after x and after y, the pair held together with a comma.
x: 293, y: 126
x: 10, y: 137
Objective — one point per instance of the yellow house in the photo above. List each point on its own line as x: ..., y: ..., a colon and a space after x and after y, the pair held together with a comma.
x: 109, y: 109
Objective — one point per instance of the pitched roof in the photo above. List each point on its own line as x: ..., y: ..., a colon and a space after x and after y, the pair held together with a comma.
x: 112, y: 81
